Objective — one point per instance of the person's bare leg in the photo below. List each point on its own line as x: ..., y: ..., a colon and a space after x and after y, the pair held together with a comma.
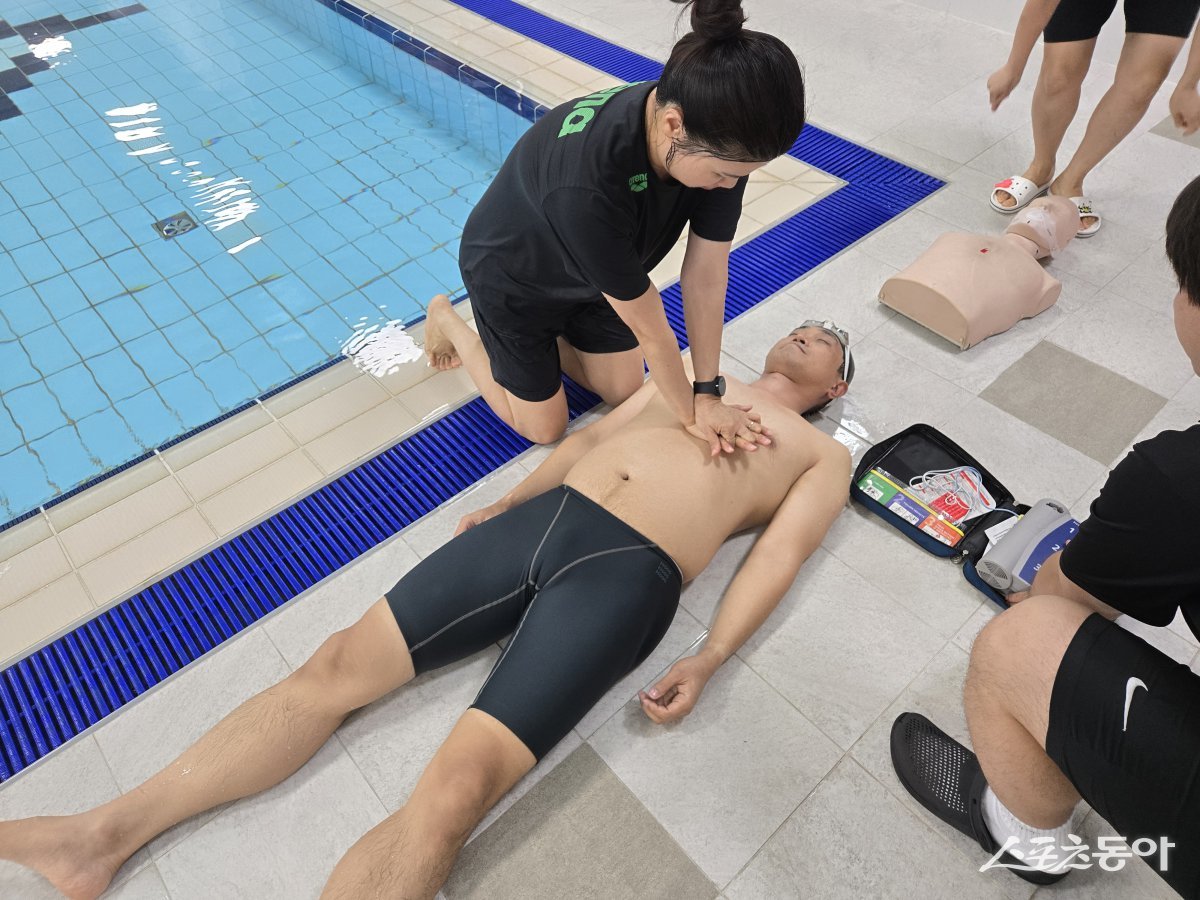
x: 1007, y: 699
x: 1146, y: 60
x: 614, y: 376
x: 542, y: 423
x: 410, y: 853
x: 256, y: 746
x: 1055, y: 102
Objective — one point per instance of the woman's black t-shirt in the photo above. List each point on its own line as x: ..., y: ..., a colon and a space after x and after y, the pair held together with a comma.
x: 576, y: 210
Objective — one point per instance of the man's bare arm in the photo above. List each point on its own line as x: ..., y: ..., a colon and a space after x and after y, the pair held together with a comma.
x: 1051, y: 580
x: 795, y: 531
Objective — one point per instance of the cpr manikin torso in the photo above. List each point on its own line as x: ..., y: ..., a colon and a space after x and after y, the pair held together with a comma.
x: 967, y: 287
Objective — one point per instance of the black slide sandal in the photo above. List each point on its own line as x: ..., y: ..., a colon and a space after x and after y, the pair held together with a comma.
x: 945, y: 778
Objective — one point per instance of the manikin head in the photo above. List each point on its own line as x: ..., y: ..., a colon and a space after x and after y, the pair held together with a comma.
x: 729, y: 99
x: 1183, y: 250
x: 1048, y: 223
x: 811, y: 366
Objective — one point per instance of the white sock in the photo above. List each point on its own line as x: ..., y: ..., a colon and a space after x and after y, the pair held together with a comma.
x: 1003, y: 823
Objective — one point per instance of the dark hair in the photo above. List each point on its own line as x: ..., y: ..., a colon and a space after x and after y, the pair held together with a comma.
x: 1183, y: 240
x: 741, y: 91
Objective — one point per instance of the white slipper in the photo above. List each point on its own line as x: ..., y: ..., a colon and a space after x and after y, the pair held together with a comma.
x: 1020, y: 189
x: 1086, y: 208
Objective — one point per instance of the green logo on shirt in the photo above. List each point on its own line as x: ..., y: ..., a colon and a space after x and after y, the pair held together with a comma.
x: 638, y: 183
x: 584, y: 110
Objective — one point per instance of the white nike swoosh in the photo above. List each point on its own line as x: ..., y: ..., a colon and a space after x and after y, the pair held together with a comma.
x: 1130, y: 686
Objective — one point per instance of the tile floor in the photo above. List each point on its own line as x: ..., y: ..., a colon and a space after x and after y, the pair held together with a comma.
x: 779, y: 784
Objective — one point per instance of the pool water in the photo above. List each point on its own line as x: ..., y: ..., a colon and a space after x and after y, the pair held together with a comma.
x: 325, y: 203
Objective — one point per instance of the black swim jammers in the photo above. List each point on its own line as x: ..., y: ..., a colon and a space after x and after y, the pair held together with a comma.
x: 1081, y: 20
x: 585, y: 597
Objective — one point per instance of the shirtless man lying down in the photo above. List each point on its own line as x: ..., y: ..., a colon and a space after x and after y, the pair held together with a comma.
x: 582, y: 564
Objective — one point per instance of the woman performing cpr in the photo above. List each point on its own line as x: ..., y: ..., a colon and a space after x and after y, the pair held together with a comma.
x: 555, y: 255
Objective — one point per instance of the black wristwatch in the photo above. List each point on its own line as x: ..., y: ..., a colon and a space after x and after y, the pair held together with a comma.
x: 716, y: 387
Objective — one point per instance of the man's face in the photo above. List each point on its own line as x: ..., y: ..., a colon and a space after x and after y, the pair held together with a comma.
x: 1187, y: 328
x: 808, y: 356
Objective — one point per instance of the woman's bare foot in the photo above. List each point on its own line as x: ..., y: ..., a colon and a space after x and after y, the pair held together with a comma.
x: 1035, y: 173
x: 70, y: 852
x: 438, y: 348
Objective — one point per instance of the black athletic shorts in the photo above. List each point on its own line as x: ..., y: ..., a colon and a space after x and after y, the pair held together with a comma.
x: 520, y: 336
x: 1125, y: 729
x: 1081, y: 20
x: 585, y: 597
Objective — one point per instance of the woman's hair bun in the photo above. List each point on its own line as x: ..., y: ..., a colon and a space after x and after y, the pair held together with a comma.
x: 716, y: 20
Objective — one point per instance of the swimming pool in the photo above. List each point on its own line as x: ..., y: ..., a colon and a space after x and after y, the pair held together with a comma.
x: 328, y: 182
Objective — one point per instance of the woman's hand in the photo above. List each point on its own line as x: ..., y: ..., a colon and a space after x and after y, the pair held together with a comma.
x: 1001, y: 83
x: 727, y: 425
x: 1185, y: 109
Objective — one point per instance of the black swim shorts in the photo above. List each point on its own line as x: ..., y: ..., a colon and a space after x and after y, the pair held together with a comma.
x: 520, y: 336
x: 585, y: 597
x: 1125, y: 729
x: 1081, y: 20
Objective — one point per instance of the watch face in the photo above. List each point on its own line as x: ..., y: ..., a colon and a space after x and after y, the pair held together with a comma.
x: 720, y: 385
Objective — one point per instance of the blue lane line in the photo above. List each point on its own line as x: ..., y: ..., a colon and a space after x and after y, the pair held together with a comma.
x: 67, y: 686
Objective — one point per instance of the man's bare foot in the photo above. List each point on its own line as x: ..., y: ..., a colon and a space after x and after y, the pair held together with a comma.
x: 438, y: 348
x: 68, y: 851
x: 1037, y: 175
x: 1060, y: 189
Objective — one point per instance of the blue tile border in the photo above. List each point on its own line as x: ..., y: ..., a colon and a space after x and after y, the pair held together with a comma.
x: 67, y: 686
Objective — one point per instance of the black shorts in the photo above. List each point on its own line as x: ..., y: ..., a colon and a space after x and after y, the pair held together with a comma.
x: 521, y: 337
x: 585, y: 597
x: 1125, y: 729
x: 1081, y: 20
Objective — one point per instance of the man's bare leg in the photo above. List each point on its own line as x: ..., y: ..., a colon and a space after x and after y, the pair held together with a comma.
x: 1055, y: 102
x: 1146, y: 60
x: 409, y: 854
x: 256, y: 746
x: 447, y: 337
x: 1007, y: 698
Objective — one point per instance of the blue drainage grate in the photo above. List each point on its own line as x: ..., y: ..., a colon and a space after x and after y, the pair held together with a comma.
x: 72, y: 683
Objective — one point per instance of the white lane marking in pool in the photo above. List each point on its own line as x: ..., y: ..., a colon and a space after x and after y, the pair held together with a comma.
x: 139, y: 110
x: 244, y: 244
x: 379, y: 350
x: 159, y: 148
x: 226, y: 202
x: 139, y: 134
x: 144, y: 120
x: 50, y: 47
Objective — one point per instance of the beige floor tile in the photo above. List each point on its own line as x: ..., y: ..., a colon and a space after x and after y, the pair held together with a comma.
x: 508, y: 62
x: 212, y: 439
x: 668, y: 269
x: 249, y: 499
x: 107, y: 492
x: 430, y: 7
x: 31, y: 569
x: 123, y: 520
x: 577, y: 829
x: 323, y: 414
x: 361, y: 437
x: 406, y: 376
x: 539, y: 53
x: 41, y: 614
x: 473, y: 46
x: 299, y: 395
x: 573, y: 70
x: 226, y: 465
x: 499, y: 35
x: 464, y: 18
x: 776, y: 205
x: 23, y: 536
x: 434, y: 395
x: 116, y: 573
x: 440, y: 30
x: 550, y: 87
